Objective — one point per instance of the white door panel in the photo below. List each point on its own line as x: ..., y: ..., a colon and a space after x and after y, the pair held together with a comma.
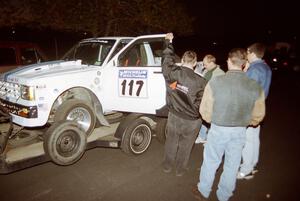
x: 137, y: 83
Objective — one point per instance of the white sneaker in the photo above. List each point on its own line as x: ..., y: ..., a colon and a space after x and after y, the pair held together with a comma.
x: 241, y: 175
x: 199, y: 140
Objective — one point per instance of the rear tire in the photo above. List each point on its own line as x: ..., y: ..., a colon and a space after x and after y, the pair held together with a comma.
x: 137, y: 137
x: 78, y: 111
x: 65, y: 142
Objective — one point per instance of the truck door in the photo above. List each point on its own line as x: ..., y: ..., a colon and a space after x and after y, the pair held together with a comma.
x: 140, y: 83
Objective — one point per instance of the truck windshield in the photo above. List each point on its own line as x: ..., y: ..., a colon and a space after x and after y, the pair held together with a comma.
x: 90, y: 52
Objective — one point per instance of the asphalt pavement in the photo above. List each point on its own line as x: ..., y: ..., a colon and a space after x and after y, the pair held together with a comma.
x: 111, y: 175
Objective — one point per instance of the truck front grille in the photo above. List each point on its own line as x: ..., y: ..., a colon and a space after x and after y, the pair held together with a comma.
x: 9, y: 90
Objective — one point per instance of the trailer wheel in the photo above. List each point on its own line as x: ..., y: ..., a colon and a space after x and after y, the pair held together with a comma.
x: 161, y: 130
x: 78, y: 111
x: 65, y: 142
x: 137, y: 137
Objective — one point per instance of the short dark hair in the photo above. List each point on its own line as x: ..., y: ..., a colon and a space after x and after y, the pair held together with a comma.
x: 258, y: 49
x: 210, y: 58
x: 238, y: 56
x: 189, y: 57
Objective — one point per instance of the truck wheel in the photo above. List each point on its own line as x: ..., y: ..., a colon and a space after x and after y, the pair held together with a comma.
x: 78, y: 111
x: 64, y: 142
x: 161, y: 130
x: 137, y: 137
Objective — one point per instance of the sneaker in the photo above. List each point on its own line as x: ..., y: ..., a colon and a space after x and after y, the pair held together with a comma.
x: 200, y: 140
x: 242, y: 175
x: 198, y: 195
x: 167, y: 169
x: 180, y: 173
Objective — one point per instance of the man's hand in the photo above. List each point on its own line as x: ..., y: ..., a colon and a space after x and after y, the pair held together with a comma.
x: 246, y: 67
x: 169, y: 37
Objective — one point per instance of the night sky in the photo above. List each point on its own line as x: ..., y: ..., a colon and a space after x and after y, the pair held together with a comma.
x: 225, y: 23
x: 243, y: 19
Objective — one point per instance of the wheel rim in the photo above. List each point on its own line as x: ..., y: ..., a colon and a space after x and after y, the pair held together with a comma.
x: 67, y: 144
x: 140, y: 138
x: 81, y: 116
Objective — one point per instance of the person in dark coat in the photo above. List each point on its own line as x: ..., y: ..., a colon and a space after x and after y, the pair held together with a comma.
x: 184, y: 93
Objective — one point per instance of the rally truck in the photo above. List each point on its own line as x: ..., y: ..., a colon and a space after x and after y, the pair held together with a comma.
x: 100, y: 84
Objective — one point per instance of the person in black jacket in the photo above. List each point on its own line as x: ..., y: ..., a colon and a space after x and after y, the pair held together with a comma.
x: 184, y: 92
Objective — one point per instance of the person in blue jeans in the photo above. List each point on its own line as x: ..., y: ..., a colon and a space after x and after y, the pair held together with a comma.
x: 259, y: 71
x: 211, y: 70
x: 230, y: 103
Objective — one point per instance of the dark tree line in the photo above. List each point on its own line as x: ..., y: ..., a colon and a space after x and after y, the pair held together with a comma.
x: 99, y: 17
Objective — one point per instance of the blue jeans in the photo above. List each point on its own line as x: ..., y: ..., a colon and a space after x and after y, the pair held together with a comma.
x: 250, y: 152
x: 221, y: 140
x: 203, y: 132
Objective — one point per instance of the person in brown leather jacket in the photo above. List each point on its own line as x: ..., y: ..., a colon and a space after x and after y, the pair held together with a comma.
x: 230, y: 103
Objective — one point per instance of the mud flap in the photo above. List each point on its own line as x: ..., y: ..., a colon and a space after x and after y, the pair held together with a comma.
x: 100, y: 116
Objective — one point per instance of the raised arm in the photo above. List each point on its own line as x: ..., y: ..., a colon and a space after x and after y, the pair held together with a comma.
x: 168, y: 57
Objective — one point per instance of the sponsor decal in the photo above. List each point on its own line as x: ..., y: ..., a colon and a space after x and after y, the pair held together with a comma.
x: 173, y: 85
x: 182, y: 88
x: 176, y: 85
x: 43, y: 86
x: 142, y: 74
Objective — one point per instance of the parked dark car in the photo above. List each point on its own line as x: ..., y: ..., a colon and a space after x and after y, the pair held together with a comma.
x: 14, y: 54
x: 283, y: 59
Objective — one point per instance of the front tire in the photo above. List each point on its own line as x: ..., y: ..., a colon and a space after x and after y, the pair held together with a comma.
x: 78, y: 111
x: 65, y: 142
x: 137, y: 137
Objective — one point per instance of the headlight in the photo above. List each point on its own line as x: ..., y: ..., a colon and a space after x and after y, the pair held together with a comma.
x: 27, y: 93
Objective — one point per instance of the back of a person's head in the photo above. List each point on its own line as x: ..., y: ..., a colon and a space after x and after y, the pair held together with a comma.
x: 209, y: 58
x: 258, y: 49
x: 238, y: 56
x: 189, y: 57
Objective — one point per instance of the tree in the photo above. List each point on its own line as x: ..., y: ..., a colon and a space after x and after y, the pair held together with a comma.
x: 99, y: 17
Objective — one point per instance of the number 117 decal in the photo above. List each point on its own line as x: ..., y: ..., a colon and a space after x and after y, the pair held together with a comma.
x: 133, y: 83
x: 132, y: 88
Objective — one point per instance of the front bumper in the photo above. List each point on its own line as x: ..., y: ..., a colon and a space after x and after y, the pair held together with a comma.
x: 20, y: 110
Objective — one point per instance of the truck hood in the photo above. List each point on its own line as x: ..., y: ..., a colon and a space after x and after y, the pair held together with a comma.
x: 45, y: 69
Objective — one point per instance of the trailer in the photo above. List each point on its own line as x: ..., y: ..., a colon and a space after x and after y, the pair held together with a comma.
x: 64, y: 142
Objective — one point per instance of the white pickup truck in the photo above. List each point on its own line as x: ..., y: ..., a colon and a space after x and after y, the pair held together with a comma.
x: 95, y: 79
